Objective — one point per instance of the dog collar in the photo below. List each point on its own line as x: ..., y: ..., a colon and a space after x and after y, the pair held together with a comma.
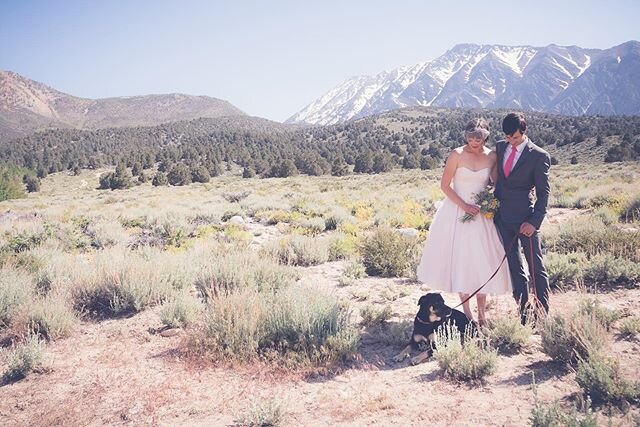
x: 422, y: 321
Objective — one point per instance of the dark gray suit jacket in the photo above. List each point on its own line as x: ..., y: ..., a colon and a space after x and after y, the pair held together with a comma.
x: 514, y: 193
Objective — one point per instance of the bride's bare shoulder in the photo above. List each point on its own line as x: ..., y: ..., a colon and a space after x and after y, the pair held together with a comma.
x: 457, y: 151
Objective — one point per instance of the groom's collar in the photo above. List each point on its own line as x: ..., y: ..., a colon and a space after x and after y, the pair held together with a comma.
x: 520, y: 148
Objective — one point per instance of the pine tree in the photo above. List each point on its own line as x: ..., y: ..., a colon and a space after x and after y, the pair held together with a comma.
x: 179, y: 175
x: 136, y: 169
x: 287, y: 168
x: 428, y: 162
x: 159, y: 179
x: 382, y: 163
x: 105, y: 180
x: 216, y: 169
x: 363, y: 163
x: 200, y: 174
x: 248, y: 172
x: 33, y: 183
x: 339, y: 167
x: 411, y: 161
x: 122, y: 177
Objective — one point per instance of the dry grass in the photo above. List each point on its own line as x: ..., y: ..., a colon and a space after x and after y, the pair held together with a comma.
x: 68, y: 256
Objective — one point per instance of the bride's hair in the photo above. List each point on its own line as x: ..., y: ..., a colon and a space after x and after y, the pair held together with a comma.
x: 478, y: 128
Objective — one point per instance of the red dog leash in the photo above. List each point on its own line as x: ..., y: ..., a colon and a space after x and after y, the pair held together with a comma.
x: 536, y: 301
x: 513, y: 241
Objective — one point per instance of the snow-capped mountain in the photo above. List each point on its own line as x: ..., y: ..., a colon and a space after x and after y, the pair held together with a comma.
x: 558, y: 79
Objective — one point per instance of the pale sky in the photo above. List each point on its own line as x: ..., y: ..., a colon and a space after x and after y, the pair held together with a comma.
x: 272, y: 58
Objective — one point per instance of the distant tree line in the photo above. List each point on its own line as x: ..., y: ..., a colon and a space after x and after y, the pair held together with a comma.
x: 196, y: 150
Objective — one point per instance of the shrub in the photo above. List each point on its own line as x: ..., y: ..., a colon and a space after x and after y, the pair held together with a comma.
x: 630, y: 326
x: 124, y: 283
x: 204, y: 219
x: 592, y: 237
x: 180, y: 310
x: 232, y: 325
x: 310, y: 324
x: 298, y: 323
x: 337, y: 216
x: 354, y: 270
x: 237, y: 233
x: 557, y: 341
x: 15, y: 290
x: 363, y: 211
x: 234, y: 270
x: 343, y: 246
x: 387, y: 253
x: 23, y: 359
x: 606, y: 269
x: 27, y: 239
x: 300, y: 250
x: 568, y: 341
x: 171, y: 230
x: 264, y: 413
x: 472, y: 362
x: 236, y: 197
x: 372, y: 315
x: 631, y: 211
x: 614, y: 200
x: 345, y: 281
x: 311, y: 226
x: 273, y: 217
x: 565, y: 270
x: 105, y: 234
x: 49, y: 318
x: 592, y: 307
x: 508, y: 334
x: 606, y: 214
x: 552, y: 415
x: 599, y: 377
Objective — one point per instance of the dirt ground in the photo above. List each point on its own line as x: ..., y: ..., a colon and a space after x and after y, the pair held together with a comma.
x: 121, y: 372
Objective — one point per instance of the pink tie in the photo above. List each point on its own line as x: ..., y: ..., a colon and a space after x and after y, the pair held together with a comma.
x: 509, y: 165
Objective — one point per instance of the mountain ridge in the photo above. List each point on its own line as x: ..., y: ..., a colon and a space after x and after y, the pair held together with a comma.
x: 493, y: 76
x: 27, y: 106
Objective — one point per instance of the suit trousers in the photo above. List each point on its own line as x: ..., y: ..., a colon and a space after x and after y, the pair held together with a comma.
x: 533, y: 253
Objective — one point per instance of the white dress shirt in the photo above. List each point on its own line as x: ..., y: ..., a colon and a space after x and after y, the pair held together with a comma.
x: 519, y: 149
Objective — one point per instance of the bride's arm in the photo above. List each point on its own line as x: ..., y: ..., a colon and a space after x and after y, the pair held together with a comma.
x: 445, y: 184
x: 494, y: 169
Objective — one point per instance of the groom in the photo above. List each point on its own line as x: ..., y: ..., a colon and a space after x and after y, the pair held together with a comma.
x: 522, y: 167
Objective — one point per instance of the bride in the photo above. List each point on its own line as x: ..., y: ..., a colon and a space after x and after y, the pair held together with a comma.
x: 460, y: 257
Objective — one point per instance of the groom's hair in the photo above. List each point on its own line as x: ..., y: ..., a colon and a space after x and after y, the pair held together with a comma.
x: 514, y: 122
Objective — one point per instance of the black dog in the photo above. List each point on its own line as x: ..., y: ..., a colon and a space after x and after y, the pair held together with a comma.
x: 434, y: 314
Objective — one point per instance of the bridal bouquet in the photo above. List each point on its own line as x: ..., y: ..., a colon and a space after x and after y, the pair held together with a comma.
x: 487, y: 202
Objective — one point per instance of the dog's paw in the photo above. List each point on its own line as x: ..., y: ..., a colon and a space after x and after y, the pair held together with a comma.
x: 418, y: 359
x: 400, y: 357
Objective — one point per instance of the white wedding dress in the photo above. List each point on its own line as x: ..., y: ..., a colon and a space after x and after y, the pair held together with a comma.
x: 460, y: 257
